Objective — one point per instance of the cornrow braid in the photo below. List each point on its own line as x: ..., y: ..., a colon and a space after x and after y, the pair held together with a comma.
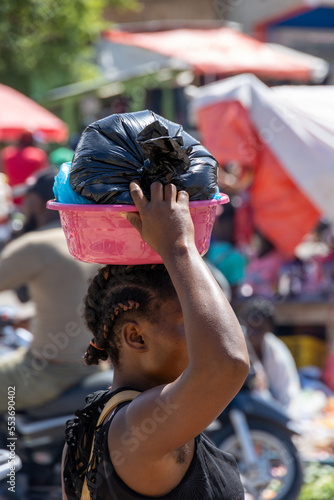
x: 119, y: 307
x: 118, y: 294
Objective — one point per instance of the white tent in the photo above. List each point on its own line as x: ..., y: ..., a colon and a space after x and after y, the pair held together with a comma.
x: 294, y: 129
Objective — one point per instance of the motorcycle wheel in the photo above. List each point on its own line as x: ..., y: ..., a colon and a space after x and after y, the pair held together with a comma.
x: 278, y: 474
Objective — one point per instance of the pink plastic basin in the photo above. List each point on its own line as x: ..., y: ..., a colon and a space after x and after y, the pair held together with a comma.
x: 101, y: 233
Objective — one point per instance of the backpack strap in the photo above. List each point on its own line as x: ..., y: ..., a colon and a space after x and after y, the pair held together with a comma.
x: 120, y: 397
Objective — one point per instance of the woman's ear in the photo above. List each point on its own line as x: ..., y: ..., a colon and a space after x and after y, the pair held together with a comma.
x: 133, y: 336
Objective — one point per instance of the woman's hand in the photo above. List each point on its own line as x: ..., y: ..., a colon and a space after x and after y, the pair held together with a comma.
x: 164, y: 222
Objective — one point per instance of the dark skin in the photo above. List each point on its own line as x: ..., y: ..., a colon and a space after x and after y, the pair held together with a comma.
x: 195, y: 354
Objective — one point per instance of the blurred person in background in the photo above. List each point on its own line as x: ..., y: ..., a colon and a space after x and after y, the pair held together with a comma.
x: 264, y: 267
x: 21, y: 161
x: 57, y: 283
x: 271, y: 359
x: 60, y: 155
x: 223, y: 252
x: 236, y: 179
x: 64, y: 152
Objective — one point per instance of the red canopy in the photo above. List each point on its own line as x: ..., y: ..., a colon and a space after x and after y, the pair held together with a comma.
x: 222, y: 51
x: 19, y: 113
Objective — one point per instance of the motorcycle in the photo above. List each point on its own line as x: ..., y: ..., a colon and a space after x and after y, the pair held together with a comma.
x: 40, y: 438
x: 8, y: 462
x: 259, y: 434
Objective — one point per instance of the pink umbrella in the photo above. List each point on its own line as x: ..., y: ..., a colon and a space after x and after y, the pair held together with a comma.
x: 20, y: 113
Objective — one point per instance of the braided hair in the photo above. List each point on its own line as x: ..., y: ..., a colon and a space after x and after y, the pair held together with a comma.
x: 118, y: 294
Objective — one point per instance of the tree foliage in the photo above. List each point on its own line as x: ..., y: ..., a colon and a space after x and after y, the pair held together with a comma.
x: 49, y: 43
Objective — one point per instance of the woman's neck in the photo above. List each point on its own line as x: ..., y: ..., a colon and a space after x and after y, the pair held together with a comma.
x: 137, y: 381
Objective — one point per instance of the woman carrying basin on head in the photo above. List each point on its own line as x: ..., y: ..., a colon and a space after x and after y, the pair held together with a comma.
x: 172, y: 335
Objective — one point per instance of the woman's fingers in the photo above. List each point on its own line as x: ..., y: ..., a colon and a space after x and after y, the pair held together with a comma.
x: 135, y: 220
x: 137, y: 196
x: 170, y: 193
x: 164, y: 220
x: 157, y: 191
x: 183, y: 197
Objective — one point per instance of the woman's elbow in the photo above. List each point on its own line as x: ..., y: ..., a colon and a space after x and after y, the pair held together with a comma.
x: 237, y: 368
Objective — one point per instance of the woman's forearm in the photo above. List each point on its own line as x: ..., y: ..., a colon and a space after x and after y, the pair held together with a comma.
x: 214, y: 337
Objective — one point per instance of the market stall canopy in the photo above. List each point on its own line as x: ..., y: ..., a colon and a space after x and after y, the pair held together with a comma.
x: 20, y: 113
x: 226, y: 51
x: 121, y: 62
x: 288, y: 144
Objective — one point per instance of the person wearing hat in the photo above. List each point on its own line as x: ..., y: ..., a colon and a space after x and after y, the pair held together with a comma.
x: 57, y: 283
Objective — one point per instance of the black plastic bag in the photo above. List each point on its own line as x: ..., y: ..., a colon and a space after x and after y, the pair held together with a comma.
x: 140, y: 146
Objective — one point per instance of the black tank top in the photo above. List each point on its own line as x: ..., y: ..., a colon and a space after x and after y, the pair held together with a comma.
x: 212, y: 475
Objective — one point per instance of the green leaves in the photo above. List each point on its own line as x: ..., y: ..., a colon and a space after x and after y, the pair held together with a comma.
x: 319, y: 483
x: 49, y: 43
